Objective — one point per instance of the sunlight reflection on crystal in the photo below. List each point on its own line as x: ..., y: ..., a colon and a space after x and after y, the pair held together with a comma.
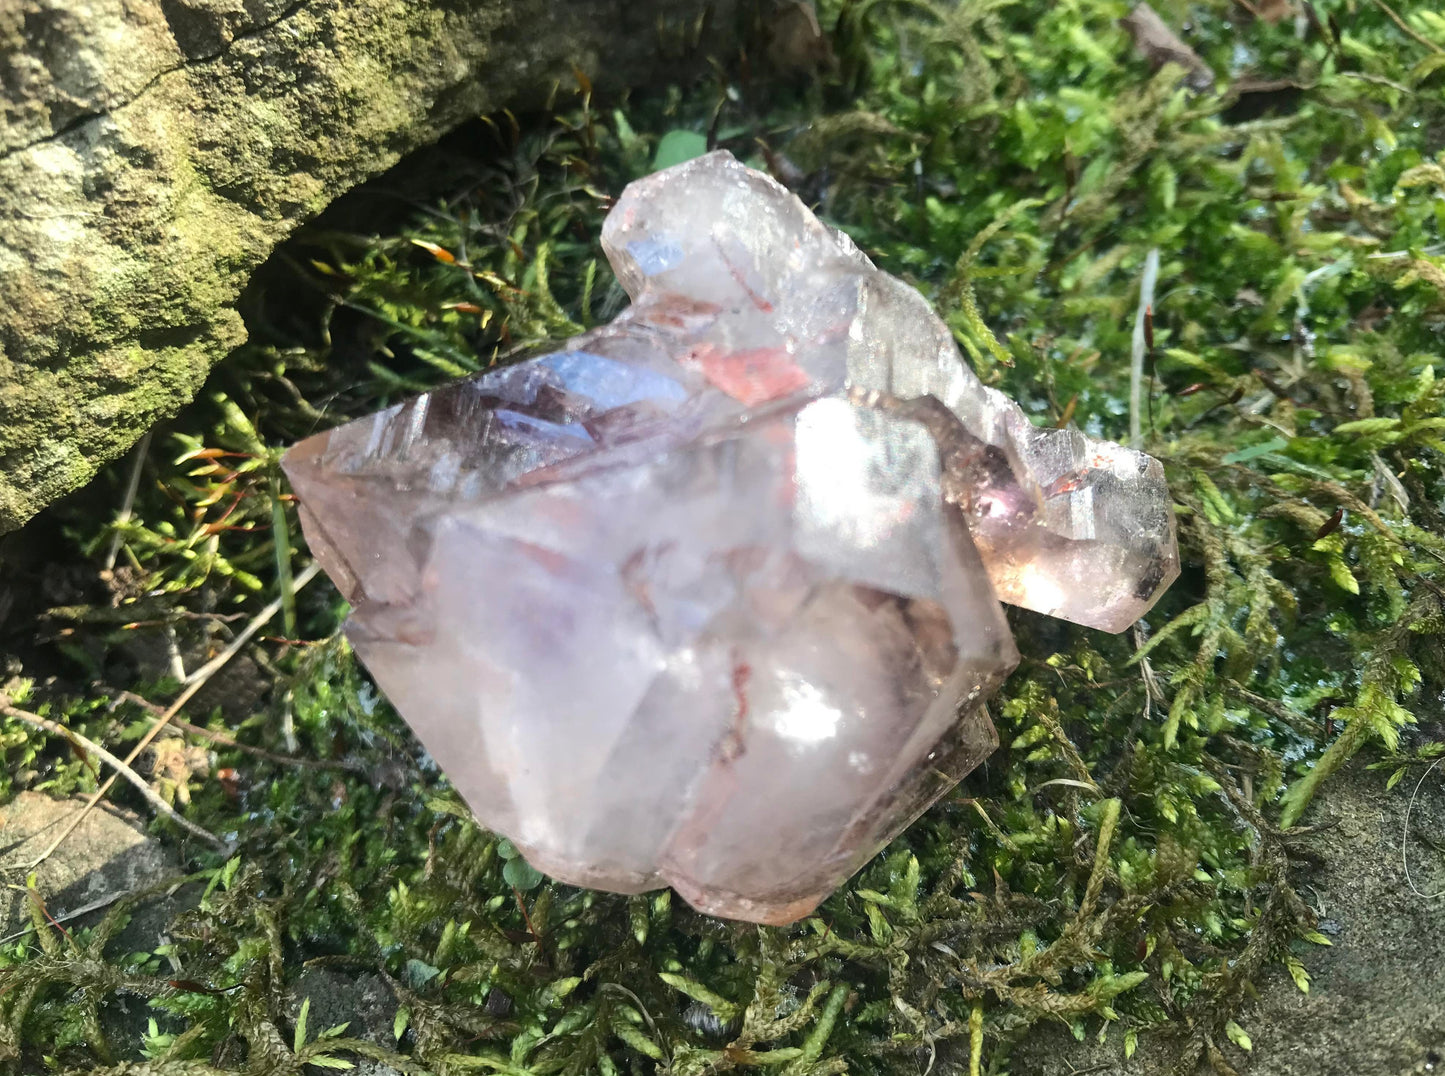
x: 1038, y: 590
x: 992, y: 505
x: 828, y: 441
x: 805, y: 716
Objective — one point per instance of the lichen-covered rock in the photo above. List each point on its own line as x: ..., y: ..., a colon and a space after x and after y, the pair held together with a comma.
x: 153, y: 152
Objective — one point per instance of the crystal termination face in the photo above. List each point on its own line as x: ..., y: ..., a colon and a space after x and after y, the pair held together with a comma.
x: 710, y: 599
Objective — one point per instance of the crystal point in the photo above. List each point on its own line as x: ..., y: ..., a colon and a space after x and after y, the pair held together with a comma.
x: 710, y: 598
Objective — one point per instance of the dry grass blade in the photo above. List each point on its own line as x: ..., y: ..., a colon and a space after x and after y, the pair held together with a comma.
x: 128, y: 503
x: 227, y: 740
x: 1141, y: 347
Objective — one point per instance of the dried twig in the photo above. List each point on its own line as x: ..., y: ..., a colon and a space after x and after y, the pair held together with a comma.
x: 194, y: 683
x: 260, y: 752
x: 1153, y: 692
x: 259, y: 621
x: 227, y: 740
x: 121, y: 768
x: 1283, y: 914
x: 1403, y: 25
x: 1278, y: 710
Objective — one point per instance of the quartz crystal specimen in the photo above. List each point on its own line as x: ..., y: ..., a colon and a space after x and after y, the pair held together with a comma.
x: 710, y: 598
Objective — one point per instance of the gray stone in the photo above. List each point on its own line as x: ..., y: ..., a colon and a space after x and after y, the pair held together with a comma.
x: 108, y: 855
x: 364, y: 1003
x: 153, y: 152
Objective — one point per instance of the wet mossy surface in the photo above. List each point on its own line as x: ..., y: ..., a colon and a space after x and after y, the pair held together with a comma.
x: 1134, y: 861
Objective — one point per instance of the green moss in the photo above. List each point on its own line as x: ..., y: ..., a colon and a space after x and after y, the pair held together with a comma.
x: 1122, y: 863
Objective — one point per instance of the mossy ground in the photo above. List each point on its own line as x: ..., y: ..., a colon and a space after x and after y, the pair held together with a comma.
x: 1122, y: 865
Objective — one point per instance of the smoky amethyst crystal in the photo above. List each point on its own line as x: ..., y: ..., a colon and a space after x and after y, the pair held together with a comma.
x: 710, y: 598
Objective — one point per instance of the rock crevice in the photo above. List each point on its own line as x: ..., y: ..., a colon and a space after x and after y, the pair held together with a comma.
x: 154, y: 152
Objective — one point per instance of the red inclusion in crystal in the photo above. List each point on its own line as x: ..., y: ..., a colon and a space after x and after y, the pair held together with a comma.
x: 752, y: 377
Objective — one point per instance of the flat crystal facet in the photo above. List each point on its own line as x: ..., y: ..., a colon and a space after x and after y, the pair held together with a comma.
x: 710, y: 598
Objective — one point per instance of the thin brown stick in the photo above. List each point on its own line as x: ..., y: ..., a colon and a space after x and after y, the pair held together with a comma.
x: 1283, y: 915
x: 1153, y: 693
x: 1273, y: 707
x: 196, y: 682
x: 259, y: 621
x: 121, y: 768
x: 227, y: 740
x: 260, y: 752
x: 1140, y: 347
x: 1403, y: 25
